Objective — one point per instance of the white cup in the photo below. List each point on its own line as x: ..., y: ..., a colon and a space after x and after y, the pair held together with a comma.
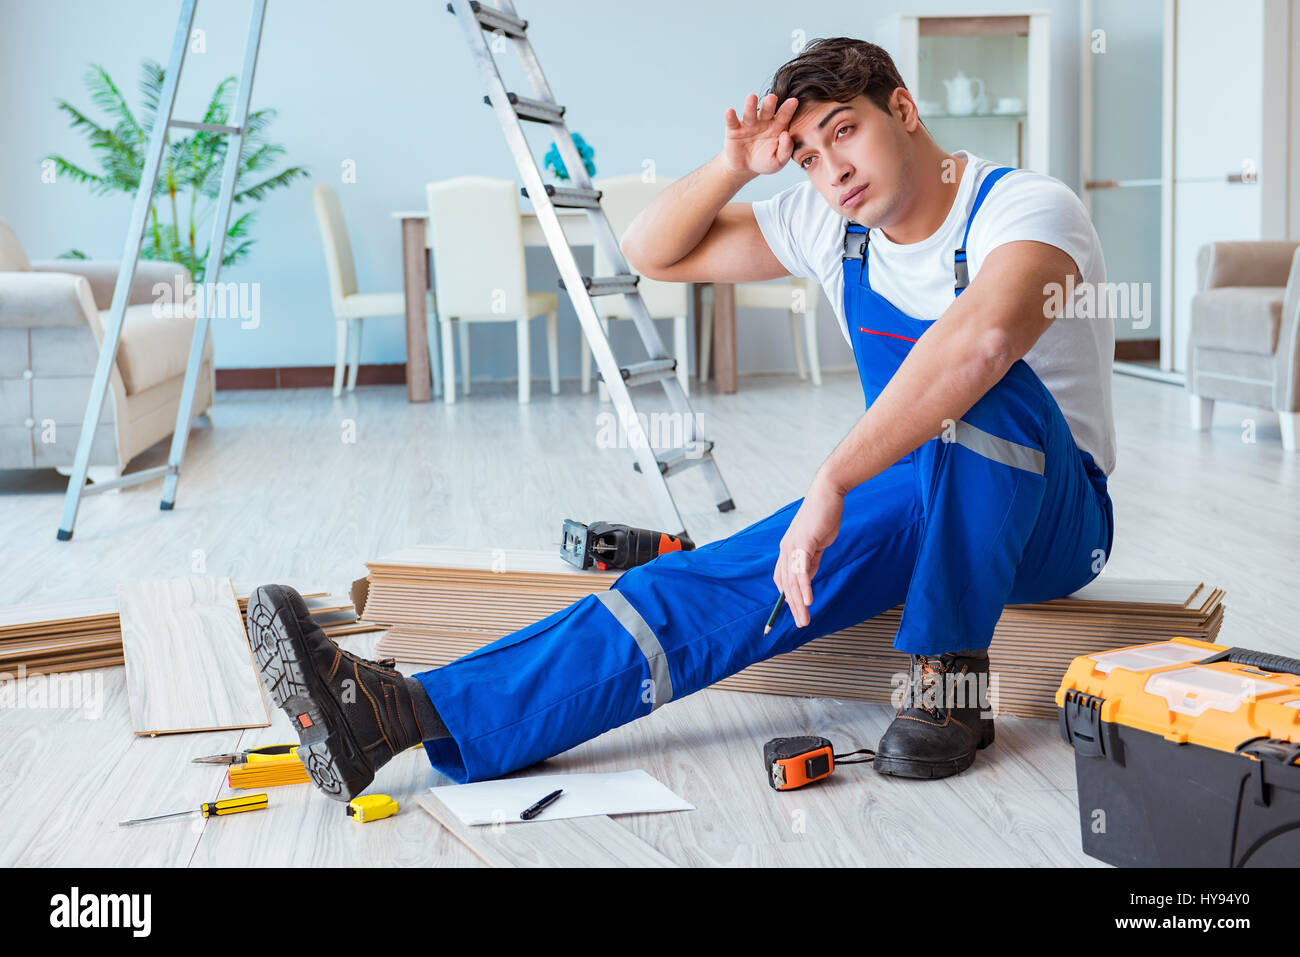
x: 1010, y: 104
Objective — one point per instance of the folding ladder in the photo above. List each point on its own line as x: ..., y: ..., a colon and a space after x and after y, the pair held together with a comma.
x: 481, y: 21
x: 130, y: 254
x: 511, y: 109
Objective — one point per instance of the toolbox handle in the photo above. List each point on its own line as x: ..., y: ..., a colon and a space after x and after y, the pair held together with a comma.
x: 1256, y: 659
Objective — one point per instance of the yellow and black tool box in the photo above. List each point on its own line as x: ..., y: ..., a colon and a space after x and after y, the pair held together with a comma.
x: 1186, y: 753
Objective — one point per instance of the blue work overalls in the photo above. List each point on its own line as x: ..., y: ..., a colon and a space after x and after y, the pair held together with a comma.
x: 1001, y: 508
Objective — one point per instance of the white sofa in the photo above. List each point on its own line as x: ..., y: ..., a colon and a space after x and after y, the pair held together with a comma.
x: 52, y: 320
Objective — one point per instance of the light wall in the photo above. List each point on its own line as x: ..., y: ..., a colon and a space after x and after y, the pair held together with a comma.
x: 389, y: 85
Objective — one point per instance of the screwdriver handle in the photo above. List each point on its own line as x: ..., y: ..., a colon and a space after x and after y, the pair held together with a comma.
x: 248, y: 802
x: 272, y: 752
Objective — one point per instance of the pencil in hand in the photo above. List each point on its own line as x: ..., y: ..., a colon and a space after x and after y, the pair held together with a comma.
x: 775, y: 609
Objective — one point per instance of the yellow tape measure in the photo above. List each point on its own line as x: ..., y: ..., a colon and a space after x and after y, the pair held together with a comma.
x: 371, y: 807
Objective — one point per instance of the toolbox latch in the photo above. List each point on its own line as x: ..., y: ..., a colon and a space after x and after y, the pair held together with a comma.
x: 1081, y: 726
x: 1272, y: 751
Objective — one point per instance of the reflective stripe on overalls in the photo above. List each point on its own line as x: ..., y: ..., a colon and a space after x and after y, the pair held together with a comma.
x: 1000, y: 508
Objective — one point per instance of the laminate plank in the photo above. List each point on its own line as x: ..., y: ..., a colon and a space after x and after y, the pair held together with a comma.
x: 41, y: 668
x: 99, y: 611
x: 74, y: 611
x: 188, y: 662
x: 18, y: 651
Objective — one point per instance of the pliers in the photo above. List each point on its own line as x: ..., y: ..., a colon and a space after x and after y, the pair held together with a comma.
x: 267, y: 752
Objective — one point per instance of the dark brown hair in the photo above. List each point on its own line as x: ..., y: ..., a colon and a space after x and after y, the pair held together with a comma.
x: 835, y: 70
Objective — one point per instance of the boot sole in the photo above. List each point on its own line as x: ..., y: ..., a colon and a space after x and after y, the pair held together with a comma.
x: 333, y: 761
x: 918, y: 768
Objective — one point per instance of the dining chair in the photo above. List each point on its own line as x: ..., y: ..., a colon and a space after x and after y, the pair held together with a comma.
x: 476, y: 232
x: 623, y: 198
x: 351, y: 306
x: 797, y: 296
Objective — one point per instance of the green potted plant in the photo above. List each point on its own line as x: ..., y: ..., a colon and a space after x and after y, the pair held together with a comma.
x: 189, y: 180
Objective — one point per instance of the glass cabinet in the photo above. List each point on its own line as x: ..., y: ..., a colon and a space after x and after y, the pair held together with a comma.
x: 981, y: 83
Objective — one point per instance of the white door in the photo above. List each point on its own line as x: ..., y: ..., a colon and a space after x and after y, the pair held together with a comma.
x: 1123, y: 151
x: 1218, y: 123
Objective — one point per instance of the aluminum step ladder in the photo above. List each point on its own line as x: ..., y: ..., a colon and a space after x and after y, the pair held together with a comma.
x: 481, y: 21
x: 130, y: 254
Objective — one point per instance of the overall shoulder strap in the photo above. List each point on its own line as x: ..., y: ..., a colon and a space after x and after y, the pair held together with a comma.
x: 959, y: 268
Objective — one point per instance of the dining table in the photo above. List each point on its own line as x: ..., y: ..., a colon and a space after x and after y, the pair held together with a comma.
x: 417, y: 278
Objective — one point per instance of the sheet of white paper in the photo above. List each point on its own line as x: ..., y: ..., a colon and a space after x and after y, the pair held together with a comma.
x: 621, y: 792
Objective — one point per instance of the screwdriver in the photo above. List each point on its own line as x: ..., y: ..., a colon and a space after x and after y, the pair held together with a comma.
x: 249, y: 802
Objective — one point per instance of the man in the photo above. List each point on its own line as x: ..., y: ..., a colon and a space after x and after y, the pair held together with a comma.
x: 975, y: 478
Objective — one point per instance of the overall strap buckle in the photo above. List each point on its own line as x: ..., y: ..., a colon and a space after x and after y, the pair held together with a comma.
x: 960, y: 270
x: 855, y: 241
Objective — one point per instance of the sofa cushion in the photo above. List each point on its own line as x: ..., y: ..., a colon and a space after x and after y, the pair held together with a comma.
x: 154, y: 348
x: 1238, y: 318
x: 1232, y: 376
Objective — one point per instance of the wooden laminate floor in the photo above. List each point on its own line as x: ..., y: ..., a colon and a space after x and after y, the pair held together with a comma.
x: 296, y: 484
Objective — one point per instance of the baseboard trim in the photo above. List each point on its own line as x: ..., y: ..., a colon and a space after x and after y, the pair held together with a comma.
x: 307, y: 377
x: 1146, y: 372
x: 394, y: 373
x: 1136, y: 349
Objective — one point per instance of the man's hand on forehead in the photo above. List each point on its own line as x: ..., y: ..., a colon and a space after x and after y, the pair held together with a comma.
x: 758, y: 141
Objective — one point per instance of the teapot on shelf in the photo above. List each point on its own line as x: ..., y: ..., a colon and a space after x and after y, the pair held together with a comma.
x: 963, y: 97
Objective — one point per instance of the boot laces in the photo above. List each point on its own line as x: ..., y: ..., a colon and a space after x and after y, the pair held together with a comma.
x: 386, y: 665
x: 932, y: 671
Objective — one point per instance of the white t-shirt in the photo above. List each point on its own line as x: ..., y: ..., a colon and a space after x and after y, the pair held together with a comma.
x: 1073, y: 357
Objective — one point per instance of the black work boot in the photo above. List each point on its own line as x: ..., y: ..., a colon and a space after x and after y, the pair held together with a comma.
x: 352, y: 715
x: 938, y: 727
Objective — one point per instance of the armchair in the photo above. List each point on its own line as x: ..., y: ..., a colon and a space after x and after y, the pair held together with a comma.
x: 52, y: 320
x: 1245, y: 331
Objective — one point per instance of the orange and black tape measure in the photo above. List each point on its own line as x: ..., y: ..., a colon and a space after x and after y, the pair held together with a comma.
x: 793, y: 762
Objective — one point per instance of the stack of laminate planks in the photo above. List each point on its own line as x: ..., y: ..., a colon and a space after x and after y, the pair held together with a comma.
x: 475, y: 595
x: 442, y: 603
x: 84, y: 633
x: 60, y: 636
x: 1031, y: 650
